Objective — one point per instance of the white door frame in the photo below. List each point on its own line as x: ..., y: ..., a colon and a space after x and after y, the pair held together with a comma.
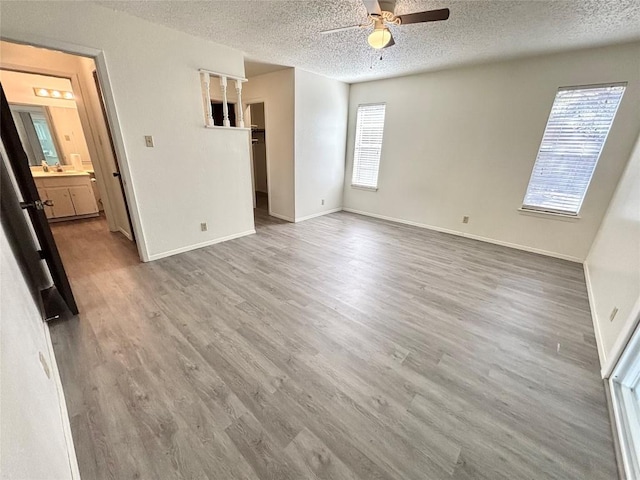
x: 247, y: 118
x: 247, y: 103
x: 625, y: 398
x: 112, y: 119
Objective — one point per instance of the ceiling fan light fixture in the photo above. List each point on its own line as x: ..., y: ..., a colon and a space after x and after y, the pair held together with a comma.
x: 379, y: 38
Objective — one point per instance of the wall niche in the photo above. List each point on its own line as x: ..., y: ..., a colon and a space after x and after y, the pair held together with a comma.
x: 222, y: 100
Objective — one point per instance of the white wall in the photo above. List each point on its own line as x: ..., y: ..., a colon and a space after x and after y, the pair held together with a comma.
x: 33, y: 443
x: 463, y: 142
x: 193, y: 174
x: 613, y: 263
x: 321, y: 111
x: 276, y: 90
x: 19, y: 87
x: 66, y: 124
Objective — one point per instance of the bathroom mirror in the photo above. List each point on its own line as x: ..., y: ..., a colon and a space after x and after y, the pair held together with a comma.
x: 35, y: 130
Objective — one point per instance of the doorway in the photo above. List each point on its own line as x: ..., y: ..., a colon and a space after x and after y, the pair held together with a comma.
x: 81, y: 174
x: 259, y: 156
x: 62, y: 129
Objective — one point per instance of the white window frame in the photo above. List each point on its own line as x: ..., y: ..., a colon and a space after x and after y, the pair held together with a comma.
x: 561, y: 212
x: 624, y: 385
x: 357, y: 148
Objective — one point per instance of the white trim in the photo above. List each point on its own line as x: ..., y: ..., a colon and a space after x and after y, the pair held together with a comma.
x: 282, y: 217
x: 364, y: 187
x: 594, y: 318
x: 566, y: 217
x: 64, y: 414
x: 319, y: 214
x: 468, y: 235
x: 157, y: 256
x: 126, y: 234
x: 222, y: 127
x: 624, y: 403
x: 218, y: 74
x: 268, y: 154
x: 618, y: 415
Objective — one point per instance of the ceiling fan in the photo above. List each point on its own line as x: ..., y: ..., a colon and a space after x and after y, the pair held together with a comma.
x: 380, y: 16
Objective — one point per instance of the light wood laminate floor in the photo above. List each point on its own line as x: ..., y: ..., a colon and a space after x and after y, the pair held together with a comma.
x: 342, y: 347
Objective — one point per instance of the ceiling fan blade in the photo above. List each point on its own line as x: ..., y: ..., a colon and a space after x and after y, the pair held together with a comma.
x: 428, y: 16
x: 373, y: 7
x: 341, y: 29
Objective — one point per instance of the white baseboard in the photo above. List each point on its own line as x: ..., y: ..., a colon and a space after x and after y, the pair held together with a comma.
x: 64, y: 413
x: 468, y: 235
x: 157, y: 256
x: 281, y: 217
x: 594, y: 318
x: 319, y: 214
x: 126, y: 234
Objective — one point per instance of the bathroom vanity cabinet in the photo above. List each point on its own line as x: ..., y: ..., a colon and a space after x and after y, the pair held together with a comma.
x: 71, y: 194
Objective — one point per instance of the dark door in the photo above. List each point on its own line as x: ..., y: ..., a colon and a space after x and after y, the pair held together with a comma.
x: 19, y: 164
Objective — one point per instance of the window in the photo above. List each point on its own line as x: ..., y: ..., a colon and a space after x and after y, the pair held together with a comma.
x: 366, y: 157
x: 577, y: 128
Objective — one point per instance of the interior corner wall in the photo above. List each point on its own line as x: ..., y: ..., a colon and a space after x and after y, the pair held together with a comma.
x: 276, y: 90
x: 321, y: 111
x: 33, y: 442
x: 613, y: 263
x: 462, y: 142
x: 193, y: 174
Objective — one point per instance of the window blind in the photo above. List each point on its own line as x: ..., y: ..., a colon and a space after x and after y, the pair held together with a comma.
x: 368, y: 145
x: 576, y: 131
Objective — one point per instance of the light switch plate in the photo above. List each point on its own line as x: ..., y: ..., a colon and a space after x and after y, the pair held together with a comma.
x: 148, y: 139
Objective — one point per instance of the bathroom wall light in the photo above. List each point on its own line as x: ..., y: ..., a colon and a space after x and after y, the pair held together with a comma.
x: 50, y: 93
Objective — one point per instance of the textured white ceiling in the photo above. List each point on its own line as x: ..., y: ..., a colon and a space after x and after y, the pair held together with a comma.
x: 287, y: 32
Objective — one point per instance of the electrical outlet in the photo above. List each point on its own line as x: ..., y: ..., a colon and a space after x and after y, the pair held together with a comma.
x: 203, y: 226
x: 148, y: 140
x: 465, y: 219
x: 613, y: 314
x: 322, y: 202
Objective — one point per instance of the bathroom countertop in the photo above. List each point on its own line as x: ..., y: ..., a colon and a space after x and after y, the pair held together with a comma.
x: 59, y: 174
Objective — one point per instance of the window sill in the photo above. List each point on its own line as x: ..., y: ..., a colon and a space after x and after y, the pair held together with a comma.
x: 565, y: 217
x: 362, y: 187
